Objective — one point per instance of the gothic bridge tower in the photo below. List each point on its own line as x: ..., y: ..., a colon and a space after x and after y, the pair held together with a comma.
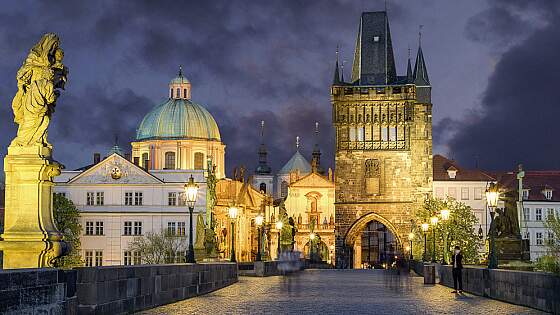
x: 383, y: 160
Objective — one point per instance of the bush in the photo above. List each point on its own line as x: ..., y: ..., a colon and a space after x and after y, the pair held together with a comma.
x: 548, y: 263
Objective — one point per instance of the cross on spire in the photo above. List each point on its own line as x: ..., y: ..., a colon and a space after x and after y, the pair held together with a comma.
x: 297, y: 142
x: 180, y: 70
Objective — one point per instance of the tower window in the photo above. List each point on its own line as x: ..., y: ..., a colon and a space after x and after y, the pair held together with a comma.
x: 284, y: 189
x: 171, y: 93
x: 170, y: 160
x: 262, y: 187
x: 178, y: 93
x: 185, y: 93
x: 145, y: 160
x: 198, y: 161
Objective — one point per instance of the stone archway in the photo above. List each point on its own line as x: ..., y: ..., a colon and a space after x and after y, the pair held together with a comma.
x: 352, y: 240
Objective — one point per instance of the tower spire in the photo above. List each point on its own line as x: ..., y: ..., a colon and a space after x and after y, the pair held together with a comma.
x: 263, y: 168
x: 420, y: 71
x: 297, y: 143
x: 336, y: 79
x: 409, y: 77
x: 342, y: 71
x: 316, y: 154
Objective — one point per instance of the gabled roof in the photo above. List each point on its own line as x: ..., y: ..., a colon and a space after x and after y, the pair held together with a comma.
x: 313, y: 180
x: 101, y: 173
x: 441, y: 165
x: 297, y: 162
x: 536, y: 182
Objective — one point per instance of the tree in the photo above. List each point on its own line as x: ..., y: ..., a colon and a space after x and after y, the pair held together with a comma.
x: 551, y: 261
x: 67, y: 221
x: 160, y: 248
x: 459, y: 229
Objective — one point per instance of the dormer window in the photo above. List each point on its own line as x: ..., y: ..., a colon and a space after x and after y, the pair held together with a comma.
x: 548, y: 194
x: 376, y: 38
x: 525, y: 194
x: 452, y: 172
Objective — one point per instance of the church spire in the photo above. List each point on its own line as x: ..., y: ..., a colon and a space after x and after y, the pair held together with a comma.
x: 263, y: 168
x: 409, y: 76
x: 420, y: 71
x: 316, y: 155
x: 336, y: 79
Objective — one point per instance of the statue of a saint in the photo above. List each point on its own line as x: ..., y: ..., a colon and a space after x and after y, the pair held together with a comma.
x: 38, y: 79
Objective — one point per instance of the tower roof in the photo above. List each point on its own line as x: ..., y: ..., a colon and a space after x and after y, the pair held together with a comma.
x: 420, y: 71
x: 374, y: 62
x: 263, y: 168
x: 336, y: 79
x: 296, y: 162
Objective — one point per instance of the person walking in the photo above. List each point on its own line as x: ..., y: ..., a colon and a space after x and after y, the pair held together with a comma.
x: 457, y: 262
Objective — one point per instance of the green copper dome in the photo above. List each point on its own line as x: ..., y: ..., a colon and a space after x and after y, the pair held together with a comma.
x: 179, y: 80
x: 178, y: 119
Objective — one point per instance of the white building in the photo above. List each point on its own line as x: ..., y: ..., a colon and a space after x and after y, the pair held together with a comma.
x: 121, y: 199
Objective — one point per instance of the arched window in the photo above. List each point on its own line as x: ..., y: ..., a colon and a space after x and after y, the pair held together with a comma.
x: 262, y: 187
x: 199, y: 161
x: 284, y: 189
x: 178, y: 93
x: 170, y: 160
x: 171, y: 93
x: 185, y: 93
x: 145, y: 160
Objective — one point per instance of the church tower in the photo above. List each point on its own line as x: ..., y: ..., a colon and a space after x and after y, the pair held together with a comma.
x: 263, y: 180
x: 383, y: 126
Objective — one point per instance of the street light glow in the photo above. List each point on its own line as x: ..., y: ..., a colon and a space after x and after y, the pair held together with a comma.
x: 434, y: 220
x: 259, y: 220
x: 191, y: 192
x: 312, y: 236
x: 445, y: 214
x: 425, y: 227
x: 410, y: 236
x: 233, y: 212
x: 279, y: 225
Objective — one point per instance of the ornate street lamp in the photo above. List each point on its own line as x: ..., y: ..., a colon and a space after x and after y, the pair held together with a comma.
x: 279, y: 225
x: 233, y: 214
x: 445, y: 213
x: 425, y: 228
x: 434, y: 222
x: 191, y: 192
x: 259, y: 221
x: 410, y: 238
x: 492, y: 198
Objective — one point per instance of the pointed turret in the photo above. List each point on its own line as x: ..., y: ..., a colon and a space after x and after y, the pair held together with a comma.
x: 420, y: 71
x: 336, y: 79
x: 316, y: 155
x: 263, y: 168
x: 409, y: 75
x: 374, y: 62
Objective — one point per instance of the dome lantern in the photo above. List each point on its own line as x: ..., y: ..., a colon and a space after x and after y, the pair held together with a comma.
x: 180, y: 87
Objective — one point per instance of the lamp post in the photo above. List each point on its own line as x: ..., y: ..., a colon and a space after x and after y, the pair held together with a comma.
x: 410, y: 238
x: 444, y: 217
x: 425, y: 227
x: 311, y: 238
x: 279, y: 225
x: 233, y: 214
x: 259, y: 221
x: 434, y: 222
x: 191, y: 192
x: 492, y: 198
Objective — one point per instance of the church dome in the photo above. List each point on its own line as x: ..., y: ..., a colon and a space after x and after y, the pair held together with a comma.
x: 178, y: 118
x: 297, y: 162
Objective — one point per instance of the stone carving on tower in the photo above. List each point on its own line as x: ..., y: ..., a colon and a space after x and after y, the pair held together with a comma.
x: 30, y: 238
x: 383, y: 139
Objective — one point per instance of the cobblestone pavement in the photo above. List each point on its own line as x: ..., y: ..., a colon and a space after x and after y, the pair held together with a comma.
x: 338, y: 292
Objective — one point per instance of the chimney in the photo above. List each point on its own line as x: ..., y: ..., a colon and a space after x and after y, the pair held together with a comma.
x: 137, y: 161
x: 127, y: 156
x: 96, y: 158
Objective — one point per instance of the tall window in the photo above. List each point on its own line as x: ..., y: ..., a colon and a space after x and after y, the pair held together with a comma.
x: 527, y: 236
x: 99, y: 198
x: 172, y: 228
x: 128, y: 198
x: 127, y: 258
x: 89, y: 227
x: 181, y: 231
x: 525, y: 194
x: 538, y: 214
x: 284, y: 189
x: 392, y: 134
x: 185, y: 93
x: 550, y: 238
x: 464, y: 193
x: 145, y: 160
x: 526, y: 214
x: 138, y: 198
x: 172, y: 199
x: 99, y: 228
x: 550, y: 214
x: 127, y: 228
x: 136, y: 258
x: 478, y: 193
x: 178, y: 93
x: 99, y: 258
x: 539, y: 238
x: 452, y: 192
x: 170, y: 160
x: 90, y: 199
x: 262, y: 187
x: 384, y: 136
x: 170, y: 92
x: 198, y: 161
x: 138, y: 228
x: 89, y: 258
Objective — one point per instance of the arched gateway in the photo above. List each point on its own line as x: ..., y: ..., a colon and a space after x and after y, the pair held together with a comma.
x: 383, y: 160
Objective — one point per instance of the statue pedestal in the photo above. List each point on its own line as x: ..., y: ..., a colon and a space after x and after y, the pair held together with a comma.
x: 30, y: 238
x: 510, y: 249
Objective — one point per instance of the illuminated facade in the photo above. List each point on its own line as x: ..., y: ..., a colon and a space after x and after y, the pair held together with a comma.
x: 383, y: 126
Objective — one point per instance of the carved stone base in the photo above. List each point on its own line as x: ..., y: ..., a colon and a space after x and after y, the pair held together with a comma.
x: 510, y: 249
x: 30, y: 238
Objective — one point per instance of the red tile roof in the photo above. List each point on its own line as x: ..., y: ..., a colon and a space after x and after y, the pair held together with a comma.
x: 441, y: 164
x: 536, y: 182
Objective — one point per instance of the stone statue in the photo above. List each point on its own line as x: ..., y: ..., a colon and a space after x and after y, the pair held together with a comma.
x: 506, y: 221
x: 200, y: 226
x: 30, y: 238
x: 38, y: 79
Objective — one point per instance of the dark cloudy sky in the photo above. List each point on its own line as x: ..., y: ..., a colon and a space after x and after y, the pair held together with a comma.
x: 493, y: 66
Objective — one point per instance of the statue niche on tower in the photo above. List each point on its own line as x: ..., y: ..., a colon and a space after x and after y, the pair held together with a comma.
x: 30, y: 238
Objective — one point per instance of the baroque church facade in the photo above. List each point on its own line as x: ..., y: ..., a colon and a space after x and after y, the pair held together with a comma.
x: 383, y: 125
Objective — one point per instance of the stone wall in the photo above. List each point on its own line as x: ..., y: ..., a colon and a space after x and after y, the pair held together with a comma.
x: 38, y: 291
x: 127, y: 289
x: 108, y: 290
x: 532, y: 289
